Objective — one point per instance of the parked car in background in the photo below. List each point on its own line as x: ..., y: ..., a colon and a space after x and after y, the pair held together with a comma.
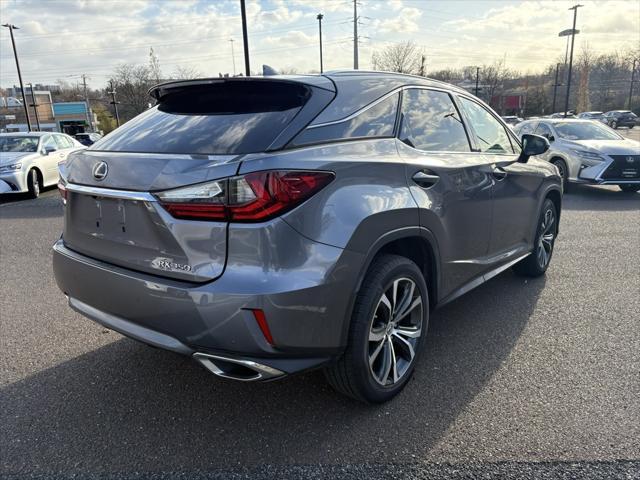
x: 511, y: 119
x: 29, y: 161
x: 599, y: 116
x: 585, y: 151
x: 621, y: 118
x: 88, y: 138
x: 570, y: 114
x: 266, y: 226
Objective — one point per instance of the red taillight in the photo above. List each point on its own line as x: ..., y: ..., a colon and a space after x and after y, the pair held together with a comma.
x: 254, y: 197
x: 63, y: 192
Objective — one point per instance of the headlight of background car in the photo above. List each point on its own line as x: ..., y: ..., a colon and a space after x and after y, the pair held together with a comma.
x: 586, y: 155
x: 10, y: 168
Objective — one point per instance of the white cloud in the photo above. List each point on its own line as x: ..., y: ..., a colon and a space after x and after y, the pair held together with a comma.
x: 63, y: 38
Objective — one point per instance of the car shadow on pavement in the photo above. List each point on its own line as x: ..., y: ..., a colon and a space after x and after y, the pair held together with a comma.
x: 128, y: 407
x: 589, y: 197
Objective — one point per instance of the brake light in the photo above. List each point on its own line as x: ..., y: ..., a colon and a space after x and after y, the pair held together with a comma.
x: 254, y: 197
x: 63, y: 192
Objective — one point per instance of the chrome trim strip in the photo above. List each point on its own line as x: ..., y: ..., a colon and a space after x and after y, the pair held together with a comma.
x: 619, y: 182
x: 110, y: 193
x: 263, y: 372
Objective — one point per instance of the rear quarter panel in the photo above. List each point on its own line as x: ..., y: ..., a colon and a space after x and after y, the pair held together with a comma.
x: 368, y: 198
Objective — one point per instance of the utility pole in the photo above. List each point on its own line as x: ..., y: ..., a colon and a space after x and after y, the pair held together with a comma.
x: 633, y: 76
x: 320, y: 17
x: 477, y: 79
x: 355, y: 34
x: 245, y: 38
x: 422, y: 70
x: 233, y: 57
x: 573, y: 37
x: 35, y: 106
x: 86, y: 99
x: 555, y: 88
x: 114, y: 103
x: 15, y: 54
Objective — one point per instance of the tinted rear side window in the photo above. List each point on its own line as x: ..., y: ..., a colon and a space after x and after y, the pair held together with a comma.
x: 228, y: 118
x: 430, y: 121
x: 377, y: 121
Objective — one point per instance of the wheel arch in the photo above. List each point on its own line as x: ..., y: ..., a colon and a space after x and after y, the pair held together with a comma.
x: 415, y: 243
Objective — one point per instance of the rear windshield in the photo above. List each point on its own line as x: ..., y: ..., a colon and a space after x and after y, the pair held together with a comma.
x: 228, y: 118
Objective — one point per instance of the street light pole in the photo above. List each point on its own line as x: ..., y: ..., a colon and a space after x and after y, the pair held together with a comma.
x: 355, y: 34
x: 245, y: 38
x: 233, y: 57
x: 15, y: 54
x: 320, y: 17
x: 35, y: 106
x: 114, y: 103
x: 555, y: 89
x: 573, y: 37
x: 477, y: 79
x: 633, y: 76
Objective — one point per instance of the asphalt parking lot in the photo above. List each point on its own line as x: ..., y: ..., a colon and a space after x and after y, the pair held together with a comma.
x: 520, y: 379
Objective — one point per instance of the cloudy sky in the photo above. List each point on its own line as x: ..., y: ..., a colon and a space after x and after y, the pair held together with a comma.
x: 62, y: 39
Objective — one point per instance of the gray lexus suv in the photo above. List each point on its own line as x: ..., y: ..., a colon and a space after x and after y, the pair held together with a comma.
x: 266, y: 226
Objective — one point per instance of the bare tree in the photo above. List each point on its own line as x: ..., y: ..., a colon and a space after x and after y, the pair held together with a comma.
x: 492, y: 78
x: 185, y: 73
x: 154, y: 66
x: 132, y: 83
x: 585, y: 62
x: 404, y: 57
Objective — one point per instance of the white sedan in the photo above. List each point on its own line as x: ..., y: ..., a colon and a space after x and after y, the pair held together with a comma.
x: 29, y: 161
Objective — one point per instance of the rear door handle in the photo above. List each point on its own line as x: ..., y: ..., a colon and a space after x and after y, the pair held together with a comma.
x: 425, y: 178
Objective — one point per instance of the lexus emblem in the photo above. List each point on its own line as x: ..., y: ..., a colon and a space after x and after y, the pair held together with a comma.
x: 100, y: 171
x: 630, y: 159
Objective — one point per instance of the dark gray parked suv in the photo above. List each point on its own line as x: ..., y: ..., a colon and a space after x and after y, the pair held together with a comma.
x: 266, y: 226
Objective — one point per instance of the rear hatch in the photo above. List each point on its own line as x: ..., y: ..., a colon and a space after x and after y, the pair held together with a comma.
x: 197, y: 132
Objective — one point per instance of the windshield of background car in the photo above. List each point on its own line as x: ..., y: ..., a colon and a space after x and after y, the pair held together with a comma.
x: 18, y: 144
x: 228, y: 118
x: 585, y: 131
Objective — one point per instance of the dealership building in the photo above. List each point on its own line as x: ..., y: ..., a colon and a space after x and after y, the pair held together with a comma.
x: 65, y: 117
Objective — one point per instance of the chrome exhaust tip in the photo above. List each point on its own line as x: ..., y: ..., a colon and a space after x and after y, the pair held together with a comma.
x: 237, y: 369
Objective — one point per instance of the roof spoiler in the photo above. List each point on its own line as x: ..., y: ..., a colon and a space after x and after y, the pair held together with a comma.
x: 161, y: 90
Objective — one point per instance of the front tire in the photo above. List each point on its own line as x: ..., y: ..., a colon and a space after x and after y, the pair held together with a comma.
x: 388, y: 326
x: 33, y: 183
x: 614, y: 124
x: 561, y: 165
x: 629, y: 188
x: 536, y: 264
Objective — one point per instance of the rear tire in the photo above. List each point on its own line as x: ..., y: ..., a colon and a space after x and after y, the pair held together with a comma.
x: 386, y: 333
x: 629, y: 188
x: 33, y: 183
x: 536, y: 264
x: 614, y: 124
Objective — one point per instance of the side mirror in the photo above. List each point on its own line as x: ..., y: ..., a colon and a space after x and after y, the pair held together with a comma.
x: 532, y: 145
x: 47, y: 150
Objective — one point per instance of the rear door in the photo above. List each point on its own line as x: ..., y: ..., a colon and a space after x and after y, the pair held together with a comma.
x: 450, y: 182
x: 196, y: 134
x: 515, y: 185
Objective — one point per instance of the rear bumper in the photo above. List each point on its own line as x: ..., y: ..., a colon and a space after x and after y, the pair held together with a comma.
x: 305, y: 308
